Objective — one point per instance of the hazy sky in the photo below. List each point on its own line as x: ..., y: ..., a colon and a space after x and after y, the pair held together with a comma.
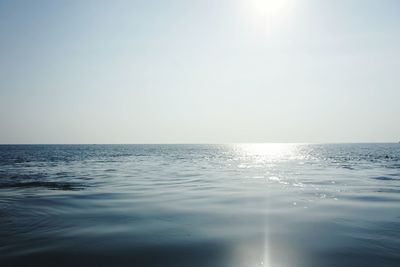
x: 179, y: 71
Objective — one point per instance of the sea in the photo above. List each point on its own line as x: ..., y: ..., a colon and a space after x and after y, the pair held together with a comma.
x: 222, y: 205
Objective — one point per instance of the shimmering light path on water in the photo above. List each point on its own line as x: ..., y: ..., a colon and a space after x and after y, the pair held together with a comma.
x: 200, y: 205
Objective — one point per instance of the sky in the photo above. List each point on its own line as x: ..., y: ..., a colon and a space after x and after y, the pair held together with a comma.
x: 199, y: 71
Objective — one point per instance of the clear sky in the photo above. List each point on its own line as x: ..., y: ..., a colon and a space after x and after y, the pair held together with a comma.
x: 199, y: 71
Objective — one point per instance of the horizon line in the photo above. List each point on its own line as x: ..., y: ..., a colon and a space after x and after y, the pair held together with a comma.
x: 229, y: 143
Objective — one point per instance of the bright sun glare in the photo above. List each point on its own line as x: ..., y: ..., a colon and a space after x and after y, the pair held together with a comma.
x: 268, y: 8
x: 268, y: 151
x: 267, y: 13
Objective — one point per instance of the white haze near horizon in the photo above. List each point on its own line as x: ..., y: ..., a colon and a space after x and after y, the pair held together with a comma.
x: 199, y: 71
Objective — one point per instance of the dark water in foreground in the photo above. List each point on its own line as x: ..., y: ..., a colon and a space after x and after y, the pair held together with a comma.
x: 200, y: 205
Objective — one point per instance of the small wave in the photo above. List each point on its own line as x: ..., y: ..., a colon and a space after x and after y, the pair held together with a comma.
x: 20, y: 177
x: 63, y: 173
x: 385, y: 178
x: 21, y: 160
x: 348, y: 167
x: 49, y: 185
x: 388, y: 190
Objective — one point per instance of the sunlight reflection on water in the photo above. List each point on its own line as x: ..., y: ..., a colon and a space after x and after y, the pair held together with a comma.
x: 268, y: 152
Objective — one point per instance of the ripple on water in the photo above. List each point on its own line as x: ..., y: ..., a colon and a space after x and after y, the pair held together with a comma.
x: 386, y: 178
x: 44, y: 184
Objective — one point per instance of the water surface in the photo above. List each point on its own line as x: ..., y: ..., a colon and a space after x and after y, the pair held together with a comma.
x: 200, y: 205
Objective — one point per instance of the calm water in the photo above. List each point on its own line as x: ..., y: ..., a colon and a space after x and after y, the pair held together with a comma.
x: 200, y: 205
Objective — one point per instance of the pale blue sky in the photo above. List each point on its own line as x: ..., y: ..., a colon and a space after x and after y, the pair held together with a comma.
x: 179, y: 71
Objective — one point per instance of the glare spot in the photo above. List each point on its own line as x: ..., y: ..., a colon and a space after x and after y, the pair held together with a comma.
x: 267, y: 14
x: 268, y: 152
x: 268, y: 8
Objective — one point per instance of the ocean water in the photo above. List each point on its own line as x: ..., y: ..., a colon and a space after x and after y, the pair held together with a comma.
x: 200, y: 205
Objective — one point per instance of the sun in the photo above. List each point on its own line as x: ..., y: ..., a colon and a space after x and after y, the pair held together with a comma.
x: 267, y: 14
x: 268, y: 8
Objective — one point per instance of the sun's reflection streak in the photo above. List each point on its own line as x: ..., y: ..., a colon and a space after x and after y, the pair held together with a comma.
x: 274, y: 170
x: 265, y: 157
x: 254, y: 252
